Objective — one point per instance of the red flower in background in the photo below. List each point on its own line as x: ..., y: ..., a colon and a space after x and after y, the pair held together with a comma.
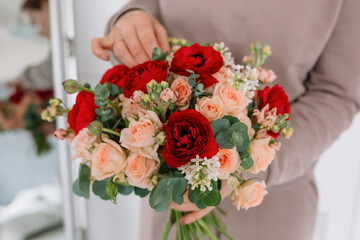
x: 188, y: 133
x: 204, y: 61
x: 140, y: 75
x: 17, y: 96
x: 276, y: 98
x: 83, y: 111
x: 115, y: 75
x: 45, y: 94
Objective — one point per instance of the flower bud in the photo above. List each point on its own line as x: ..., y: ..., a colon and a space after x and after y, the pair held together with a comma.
x: 233, y: 183
x: 146, y: 98
x: 267, y: 50
x: 70, y: 86
x: 160, y: 138
x: 112, y: 190
x: 275, y: 129
x: 45, y: 115
x: 288, y: 133
x: 54, y: 102
x: 95, y: 128
x: 276, y: 145
x: 164, y: 84
x: 168, y: 95
x: 137, y: 96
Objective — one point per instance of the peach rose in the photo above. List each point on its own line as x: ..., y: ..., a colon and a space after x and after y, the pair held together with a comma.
x: 234, y: 101
x: 222, y: 75
x: 140, y: 135
x: 229, y: 161
x: 108, y: 159
x: 83, y: 143
x: 128, y: 106
x: 262, y: 154
x: 211, y: 108
x: 139, y: 170
x: 249, y: 194
x: 182, y: 87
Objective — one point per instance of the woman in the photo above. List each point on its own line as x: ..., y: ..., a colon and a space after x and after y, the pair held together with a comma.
x: 316, y: 56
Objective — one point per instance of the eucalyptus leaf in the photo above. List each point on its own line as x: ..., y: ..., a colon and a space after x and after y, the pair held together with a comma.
x: 77, y: 190
x: 220, y: 125
x: 247, y: 163
x: 84, y: 178
x: 124, y: 190
x: 223, y: 140
x: 99, y: 189
x: 231, y: 119
x: 211, y: 198
x: 141, y: 192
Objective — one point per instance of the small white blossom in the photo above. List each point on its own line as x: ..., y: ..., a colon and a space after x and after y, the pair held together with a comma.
x: 200, y: 171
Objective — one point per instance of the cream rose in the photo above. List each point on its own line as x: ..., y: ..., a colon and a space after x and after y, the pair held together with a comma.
x: 108, y: 159
x: 139, y: 170
x: 234, y: 101
x: 262, y: 154
x: 211, y: 108
x: 83, y: 143
x: 229, y: 161
x: 249, y: 194
x: 222, y: 75
x: 182, y: 87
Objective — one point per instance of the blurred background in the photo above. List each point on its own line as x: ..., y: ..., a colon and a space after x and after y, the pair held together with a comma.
x: 36, y: 201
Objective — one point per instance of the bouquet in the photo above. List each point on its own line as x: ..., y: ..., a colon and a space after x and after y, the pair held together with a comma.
x: 181, y: 125
x: 22, y: 111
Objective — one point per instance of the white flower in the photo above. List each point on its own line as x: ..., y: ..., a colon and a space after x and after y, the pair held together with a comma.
x: 200, y: 171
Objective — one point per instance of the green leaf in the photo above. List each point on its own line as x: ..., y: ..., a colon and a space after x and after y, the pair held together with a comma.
x: 231, y: 119
x: 100, y: 102
x: 247, y: 163
x: 95, y: 128
x: 200, y: 204
x: 124, y: 190
x: 244, y: 154
x: 158, y: 55
x: 245, y: 144
x: 240, y: 127
x: 141, y: 192
x: 220, y: 125
x: 99, y: 189
x: 84, y: 178
x: 223, y: 139
x: 114, y: 90
x: 112, y: 190
x: 102, y: 91
x: 192, y: 82
x: 77, y: 190
x: 236, y: 138
x: 211, y: 198
x: 178, y: 187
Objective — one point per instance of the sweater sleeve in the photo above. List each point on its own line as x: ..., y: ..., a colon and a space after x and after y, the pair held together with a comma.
x: 38, y: 76
x: 330, y: 103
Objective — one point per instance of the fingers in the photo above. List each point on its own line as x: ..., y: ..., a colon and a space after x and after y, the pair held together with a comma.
x: 135, y: 44
x: 123, y: 53
x: 185, y: 207
x: 147, y: 36
x: 161, y: 36
x: 99, y: 45
x: 195, y: 215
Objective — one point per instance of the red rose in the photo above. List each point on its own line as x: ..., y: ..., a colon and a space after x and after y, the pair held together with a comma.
x: 204, y: 61
x: 115, y: 75
x: 140, y: 75
x: 188, y: 133
x: 83, y: 111
x: 17, y: 96
x: 276, y: 98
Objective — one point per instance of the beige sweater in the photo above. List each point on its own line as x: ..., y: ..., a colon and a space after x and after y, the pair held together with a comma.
x: 316, y: 56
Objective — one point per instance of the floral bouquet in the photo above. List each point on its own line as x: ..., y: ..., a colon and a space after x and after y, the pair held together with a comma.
x: 22, y: 111
x: 183, y: 125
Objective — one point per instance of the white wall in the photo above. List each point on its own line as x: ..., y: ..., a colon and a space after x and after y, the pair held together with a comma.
x: 105, y: 220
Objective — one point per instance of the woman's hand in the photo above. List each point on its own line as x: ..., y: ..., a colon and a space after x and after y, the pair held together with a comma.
x: 196, y: 213
x: 132, y: 39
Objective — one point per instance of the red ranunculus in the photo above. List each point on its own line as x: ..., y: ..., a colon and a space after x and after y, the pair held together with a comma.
x: 140, y: 75
x: 188, y: 133
x: 276, y: 98
x: 204, y: 61
x: 83, y: 111
x: 115, y: 75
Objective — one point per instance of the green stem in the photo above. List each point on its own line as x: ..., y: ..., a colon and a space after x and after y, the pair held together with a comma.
x: 114, y: 106
x: 82, y: 88
x: 166, y: 231
x: 111, y: 131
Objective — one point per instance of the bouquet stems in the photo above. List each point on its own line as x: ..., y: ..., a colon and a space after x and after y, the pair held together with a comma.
x: 208, y: 227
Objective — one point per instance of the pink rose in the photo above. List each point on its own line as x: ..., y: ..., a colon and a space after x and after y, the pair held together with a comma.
x: 234, y: 101
x: 137, y: 95
x: 62, y: 134
x: 211, y: 108
x: 250, y: 194
x: 108, y: 159
x: 140, y: 135
x: 139, y: 170
x: 222, y: 75
x: 182, y: 87
x: 83, y: 143
x: 262, y: 154
x: 229, y: 161
x: 168, y: 95
x: 266, y: 76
